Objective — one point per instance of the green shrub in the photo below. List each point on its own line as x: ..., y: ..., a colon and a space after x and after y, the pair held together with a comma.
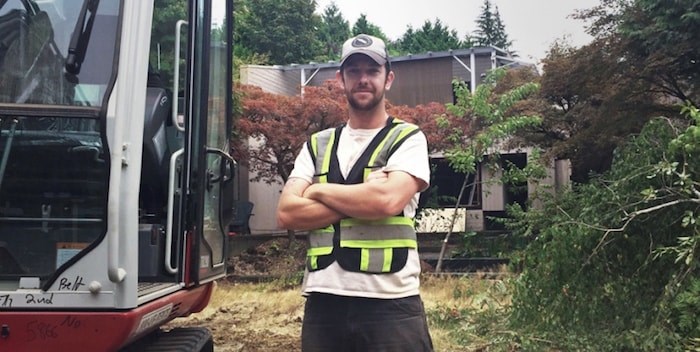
x: 612, y: 264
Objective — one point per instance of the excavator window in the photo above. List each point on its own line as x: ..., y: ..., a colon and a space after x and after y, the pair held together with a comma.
x: 53, y: 165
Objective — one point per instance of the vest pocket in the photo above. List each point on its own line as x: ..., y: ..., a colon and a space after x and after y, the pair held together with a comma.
x: 375, y: 246
x: 319, y: 258
x: 372, y: 260
x: 320, y: 253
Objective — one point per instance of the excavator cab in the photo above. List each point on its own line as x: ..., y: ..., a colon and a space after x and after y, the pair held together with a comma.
x: 116, y: 180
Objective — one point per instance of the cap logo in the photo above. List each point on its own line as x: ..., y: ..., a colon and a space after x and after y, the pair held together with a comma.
x: 362, y: 42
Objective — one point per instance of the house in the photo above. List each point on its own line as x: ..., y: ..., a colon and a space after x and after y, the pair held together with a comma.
x: 420, y: 79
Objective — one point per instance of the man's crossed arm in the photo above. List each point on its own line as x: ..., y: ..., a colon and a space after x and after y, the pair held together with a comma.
x: 305, y: 206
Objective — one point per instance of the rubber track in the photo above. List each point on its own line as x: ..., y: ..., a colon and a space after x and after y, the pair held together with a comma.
x: 192, y: 339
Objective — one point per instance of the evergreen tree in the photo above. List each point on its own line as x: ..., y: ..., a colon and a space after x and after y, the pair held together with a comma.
x: 363, y: 26
x: 491, y: 30
x: 285, y: 30
x: 430, y: 37
x: 501, y: 39
x: 163, y: 43
x: 333, y: 32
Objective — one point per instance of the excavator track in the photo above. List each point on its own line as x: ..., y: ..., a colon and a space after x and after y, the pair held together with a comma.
x: 190, y: 339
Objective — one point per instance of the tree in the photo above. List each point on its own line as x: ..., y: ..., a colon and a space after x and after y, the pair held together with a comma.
x: 491, y: 30
x: 427, y: 117
x: 285, y: 30
x: 243, y: 54
x: 280, y: 125
x: 333, y: 32
x: 501, y: 37
x: 594, y: 97
x: 430, y: 37
x: 612, y: 265
x: 162, y: 51
x: 589, y: 106
x: 490, y: 125
x: 657, y: 38
x: 363, y: 26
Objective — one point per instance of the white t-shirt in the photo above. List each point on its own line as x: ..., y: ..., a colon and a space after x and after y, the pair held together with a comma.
x: 412, y: 158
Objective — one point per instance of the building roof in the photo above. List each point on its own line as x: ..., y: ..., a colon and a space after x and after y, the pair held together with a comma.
x: 482, y: 50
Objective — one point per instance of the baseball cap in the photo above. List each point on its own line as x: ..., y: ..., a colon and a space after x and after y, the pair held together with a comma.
x: 367, y: 45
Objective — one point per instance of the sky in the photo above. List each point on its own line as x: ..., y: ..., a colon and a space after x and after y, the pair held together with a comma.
x: 532, y: 25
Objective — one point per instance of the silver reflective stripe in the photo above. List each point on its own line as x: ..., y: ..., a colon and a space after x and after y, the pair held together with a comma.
x: 321, y: 238
x: 380, y: 155
x: 376, y: 260
x: 396, y: 228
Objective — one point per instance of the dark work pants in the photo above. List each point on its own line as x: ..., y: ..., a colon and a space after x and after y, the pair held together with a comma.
x: 351, y: 324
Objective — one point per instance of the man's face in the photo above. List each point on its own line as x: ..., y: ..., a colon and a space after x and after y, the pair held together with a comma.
x: 365, y: 82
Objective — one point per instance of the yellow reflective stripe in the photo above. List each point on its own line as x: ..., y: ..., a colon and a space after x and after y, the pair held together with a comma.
x: 393, y: 220
x: 314, y: 144
x: 313, y: 263
x: 404, y: 132
x: 398, y: 243
x: 364, y: 259
x: 317, y: 251
x: 378, y: 149
x: 323, y: 230
x: 404, y: 129
x: 327, y: 160
x: 388, y: 257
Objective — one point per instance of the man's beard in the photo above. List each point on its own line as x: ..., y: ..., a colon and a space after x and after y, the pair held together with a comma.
x: 364, y: 106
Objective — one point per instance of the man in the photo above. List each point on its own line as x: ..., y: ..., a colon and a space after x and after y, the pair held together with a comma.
x: 356, y: 187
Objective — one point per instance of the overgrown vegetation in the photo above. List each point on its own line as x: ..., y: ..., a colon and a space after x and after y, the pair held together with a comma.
x: 489, y: 115
x: 612, y: 264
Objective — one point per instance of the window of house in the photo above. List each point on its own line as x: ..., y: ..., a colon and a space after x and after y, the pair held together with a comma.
x: 446, y: 184
x: 515, y: 193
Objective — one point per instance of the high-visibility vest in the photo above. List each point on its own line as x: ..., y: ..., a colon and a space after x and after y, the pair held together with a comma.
x: 369, y: 246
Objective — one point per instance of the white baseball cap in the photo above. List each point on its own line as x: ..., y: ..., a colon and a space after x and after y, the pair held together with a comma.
x: 367, y: 45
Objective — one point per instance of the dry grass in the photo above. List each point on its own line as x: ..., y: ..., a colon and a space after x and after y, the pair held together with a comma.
x: 267, y: 316
x: 452, y: 302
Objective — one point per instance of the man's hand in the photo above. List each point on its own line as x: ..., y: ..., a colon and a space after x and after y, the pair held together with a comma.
x: 377, y: 176
x: 295, y: 212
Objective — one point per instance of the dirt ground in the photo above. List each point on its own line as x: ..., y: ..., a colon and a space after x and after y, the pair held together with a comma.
x: 273, y: 258
x: 245, y: 316
x: 252, y: 312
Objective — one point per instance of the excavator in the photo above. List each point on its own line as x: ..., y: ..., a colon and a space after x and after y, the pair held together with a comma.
x: 116, y: 179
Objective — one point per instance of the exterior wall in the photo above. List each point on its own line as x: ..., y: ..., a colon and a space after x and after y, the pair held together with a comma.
x: 534, y: 187
x: 483, y: 65
x: 562, y: 170
x: 321, y: 76
x: 422, y: 81
x: 492, y: 192
x: 558, y: 178
x: 265, y: 197
x: 272, y: 79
